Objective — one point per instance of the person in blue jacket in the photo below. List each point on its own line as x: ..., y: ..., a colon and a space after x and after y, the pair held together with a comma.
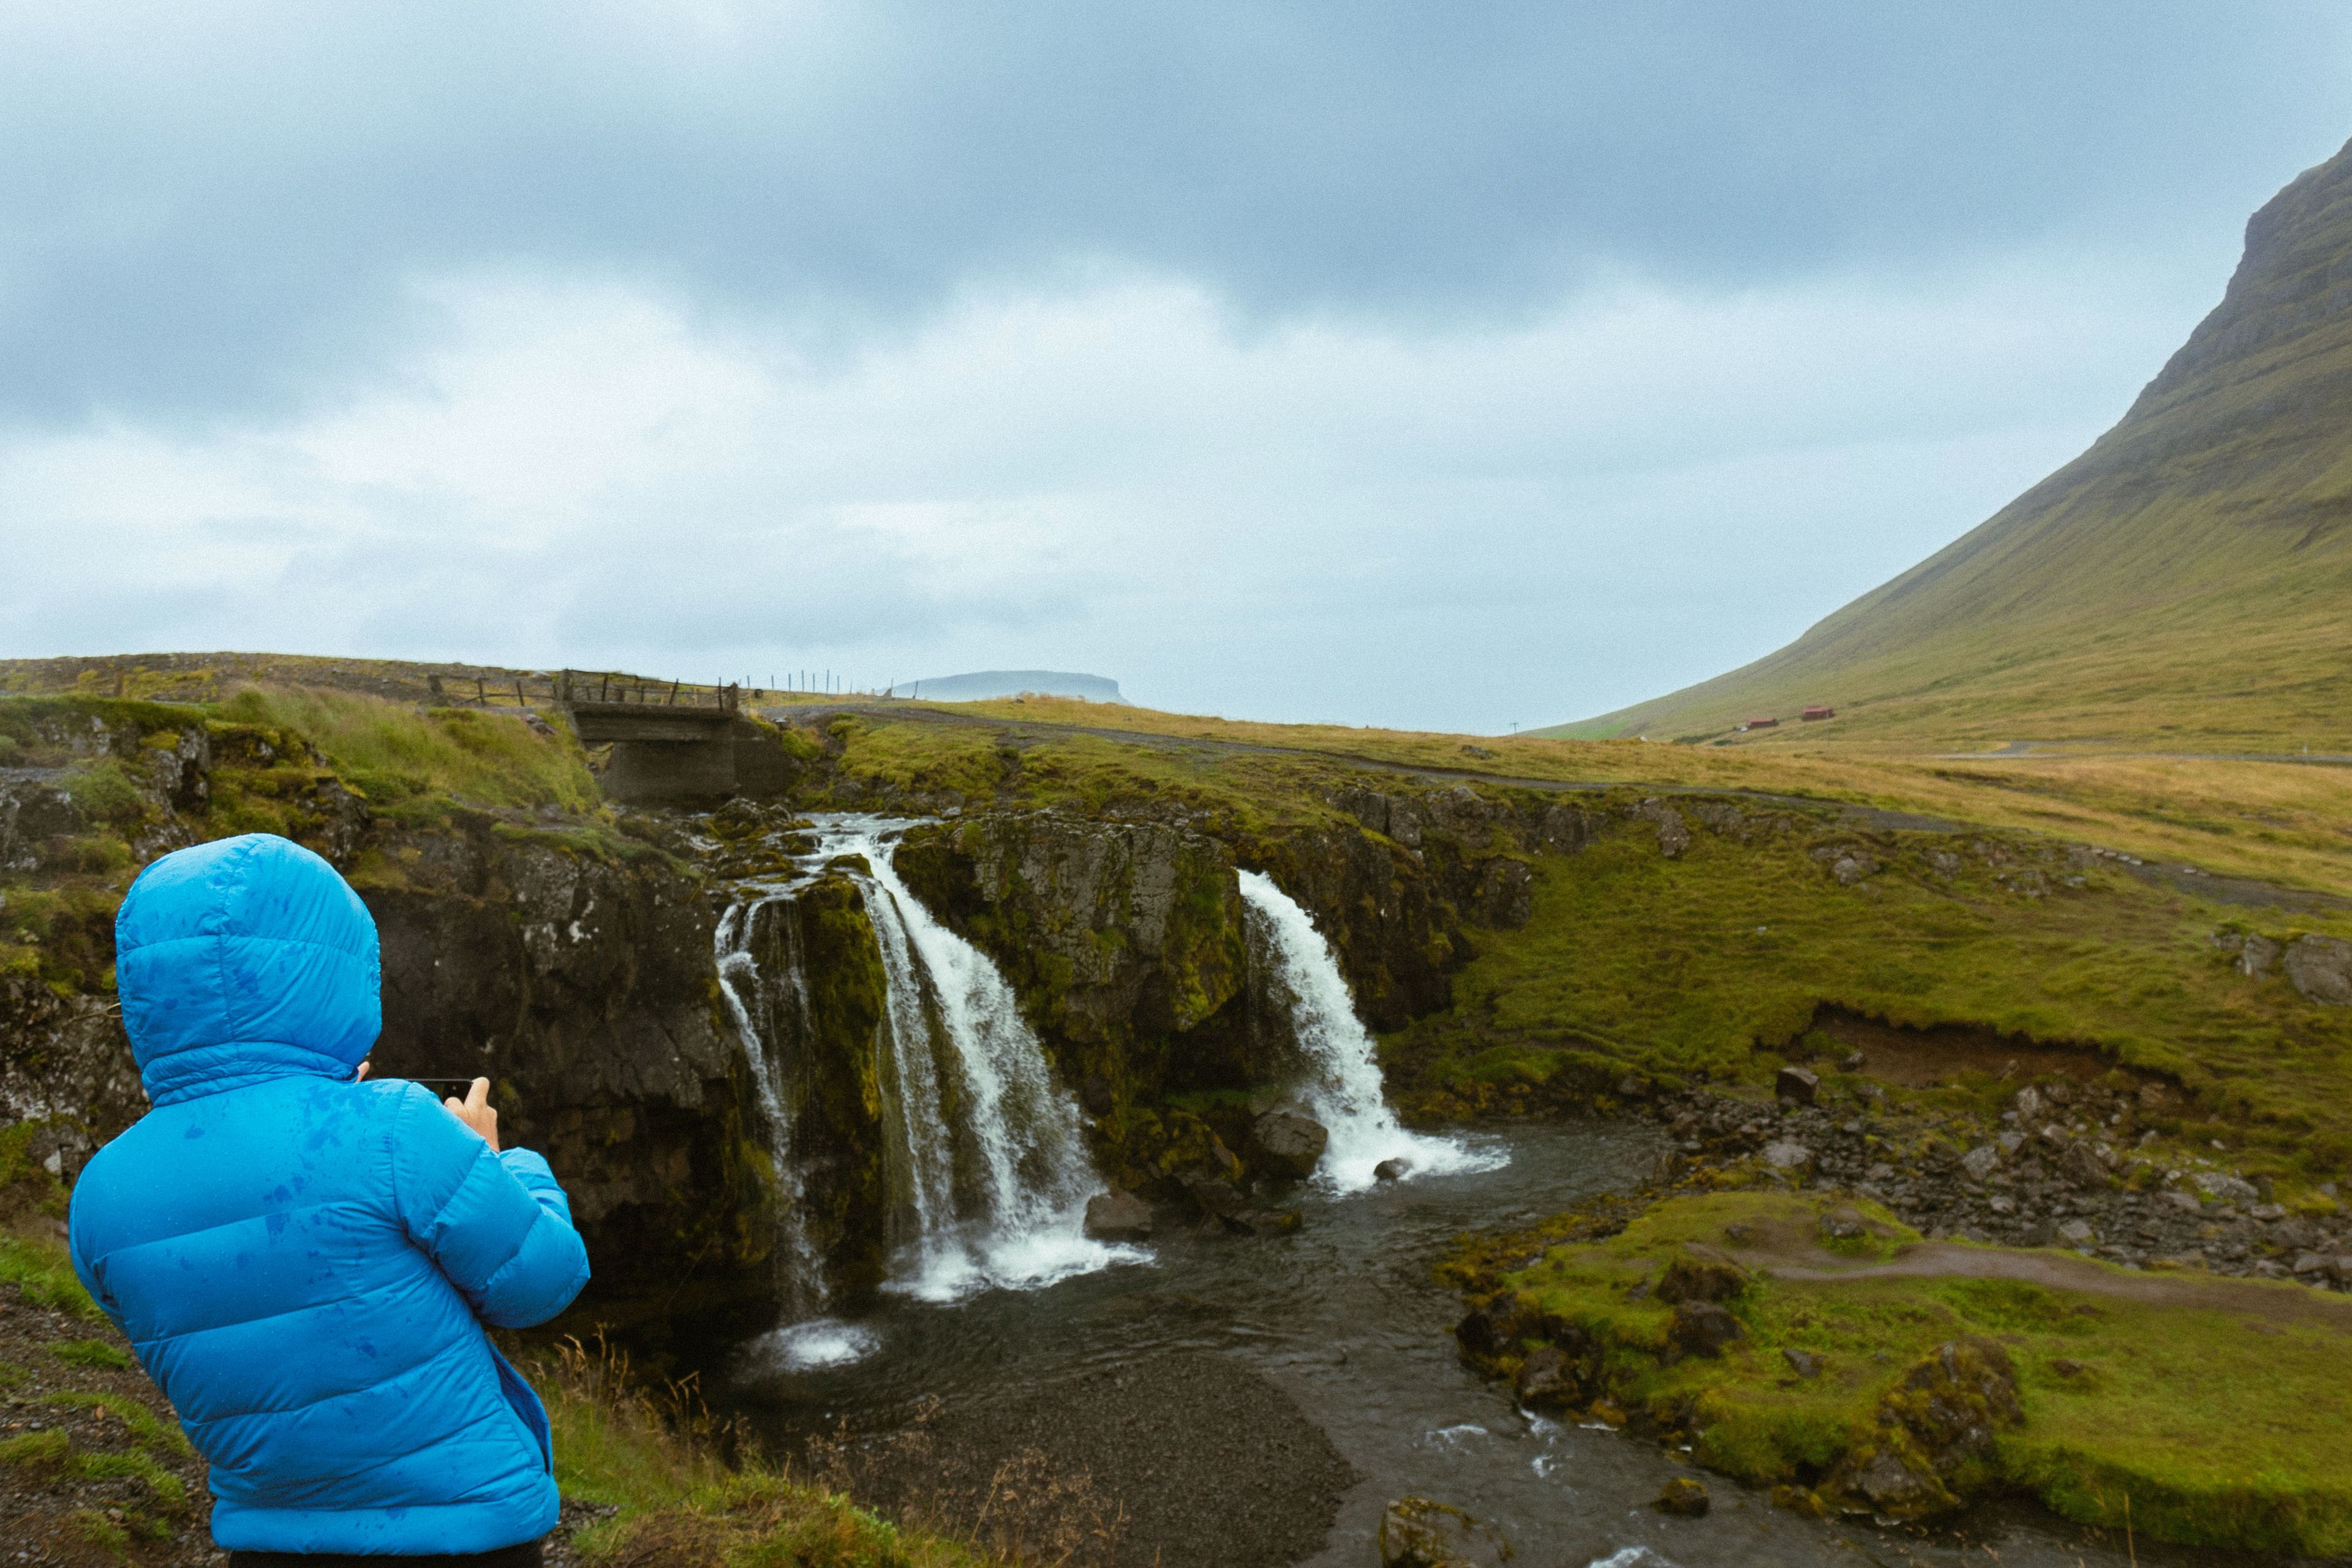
x: 304, y: 1260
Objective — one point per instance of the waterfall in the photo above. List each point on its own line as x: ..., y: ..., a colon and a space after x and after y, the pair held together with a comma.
x: 774, y: 1003
x: 988, y: 1155
x: 1343, y: 1089
x: 984, y: 1162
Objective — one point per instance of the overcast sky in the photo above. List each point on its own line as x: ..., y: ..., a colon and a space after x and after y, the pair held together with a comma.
x: 1434, y: 364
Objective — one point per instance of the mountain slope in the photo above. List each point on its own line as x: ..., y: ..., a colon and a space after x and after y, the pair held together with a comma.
x: 2188, y: 578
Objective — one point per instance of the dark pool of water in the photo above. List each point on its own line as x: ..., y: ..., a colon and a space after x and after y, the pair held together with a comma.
x: 1345, y: 1316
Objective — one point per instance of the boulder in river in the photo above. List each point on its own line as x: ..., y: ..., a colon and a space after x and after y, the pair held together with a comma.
x: 1684, y: 1496
x: 1261, y: 1222
x: 1550, y: 1379
x: 1418, y: 1534
x: 1289, y: 1143
x: 1118, y: 1216
x: 1216, y: 1196
x: 1392, y: 1170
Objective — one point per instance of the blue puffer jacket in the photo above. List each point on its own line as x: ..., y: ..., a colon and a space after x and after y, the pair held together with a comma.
x: 304, y: 1263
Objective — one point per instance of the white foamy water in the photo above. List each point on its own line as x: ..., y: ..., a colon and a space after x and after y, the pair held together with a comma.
x: 1343, y: 1090
x: 989, y: 1150
x: 818, y: 1343
x: 802, y: 1273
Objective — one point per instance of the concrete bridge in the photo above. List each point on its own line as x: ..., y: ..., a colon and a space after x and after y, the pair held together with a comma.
x: 673, y: 743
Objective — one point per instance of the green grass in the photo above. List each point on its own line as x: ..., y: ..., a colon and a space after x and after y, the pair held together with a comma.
x: 1716, y: 962
x: 390, y: 752
x: 45, y: 1275
x: 2221, y: 1426
x: 659, y: 1462
x: 95, y: 1353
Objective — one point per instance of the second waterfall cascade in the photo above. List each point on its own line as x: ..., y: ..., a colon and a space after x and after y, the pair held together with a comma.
x: 1343, y: 1089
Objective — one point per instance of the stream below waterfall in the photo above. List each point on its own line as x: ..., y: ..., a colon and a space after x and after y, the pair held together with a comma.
x: 996, y: 1300
x: 1345, y: 1318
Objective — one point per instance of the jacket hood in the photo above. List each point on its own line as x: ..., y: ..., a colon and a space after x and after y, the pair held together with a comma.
x: 242, y: 960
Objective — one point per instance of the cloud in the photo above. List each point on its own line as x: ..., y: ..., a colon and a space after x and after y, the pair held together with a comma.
x: 1464, y: 526
x: 227, y: 211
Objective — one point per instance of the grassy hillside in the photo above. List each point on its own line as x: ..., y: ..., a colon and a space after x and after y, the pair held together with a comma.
x: 2187, y: 581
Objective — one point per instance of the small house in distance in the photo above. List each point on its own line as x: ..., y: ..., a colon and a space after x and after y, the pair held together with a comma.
x: 1746, y: 724
x: 1811, y: 714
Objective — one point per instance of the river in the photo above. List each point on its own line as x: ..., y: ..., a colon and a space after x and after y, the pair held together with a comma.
x: 998, y: 1306
x: 1344, y: 1317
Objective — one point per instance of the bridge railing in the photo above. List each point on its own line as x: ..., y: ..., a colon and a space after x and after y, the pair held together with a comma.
x: 571, y: 688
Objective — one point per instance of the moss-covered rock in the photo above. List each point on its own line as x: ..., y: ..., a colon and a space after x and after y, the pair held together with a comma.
x: 1123, y: 941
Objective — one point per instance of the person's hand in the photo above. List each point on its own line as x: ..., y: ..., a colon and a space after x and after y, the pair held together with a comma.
x: 475, y: 1111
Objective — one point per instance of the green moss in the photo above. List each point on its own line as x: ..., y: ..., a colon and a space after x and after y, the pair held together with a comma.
x: 2218, y: 1418
x: 1717, y: 962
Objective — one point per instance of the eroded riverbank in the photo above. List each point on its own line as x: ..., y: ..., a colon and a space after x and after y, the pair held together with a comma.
x: 1346, y: 1319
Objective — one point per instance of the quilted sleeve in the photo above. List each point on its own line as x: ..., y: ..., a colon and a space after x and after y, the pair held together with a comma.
x: 498, y: 1224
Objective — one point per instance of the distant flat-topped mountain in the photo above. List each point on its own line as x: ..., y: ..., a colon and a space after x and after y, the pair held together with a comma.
x: 982, y: 685
x: 2187, y: 579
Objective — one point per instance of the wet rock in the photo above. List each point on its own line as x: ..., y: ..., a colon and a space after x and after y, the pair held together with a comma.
x: 1261, y: 1222
x: 1418, y: 1534
x: 2320, y: 969
x: 1096, y: 1095
x: 1490, y: 1330
x: 1288, y: 1143
x: 1801, y: 1084
x: 1216, y: 1196
x: 1703, y: 1328
x: 1684, y: 1496
x: 1804, y: 1364
x: 1390, y: 1170
x: 1118, y: 1216
x: 2255, y: 958
x: 1550, y: 1379
x: 1701, y: 1274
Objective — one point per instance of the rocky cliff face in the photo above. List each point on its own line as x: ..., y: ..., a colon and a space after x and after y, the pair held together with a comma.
x: 568, y: 963
x: 580, y: 980
x: 1124, y: 940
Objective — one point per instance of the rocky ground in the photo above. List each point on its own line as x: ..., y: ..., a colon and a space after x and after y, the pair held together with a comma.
x: 1177, y: 1458
x: 93, y: 1467
x: 2063, y: 1164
